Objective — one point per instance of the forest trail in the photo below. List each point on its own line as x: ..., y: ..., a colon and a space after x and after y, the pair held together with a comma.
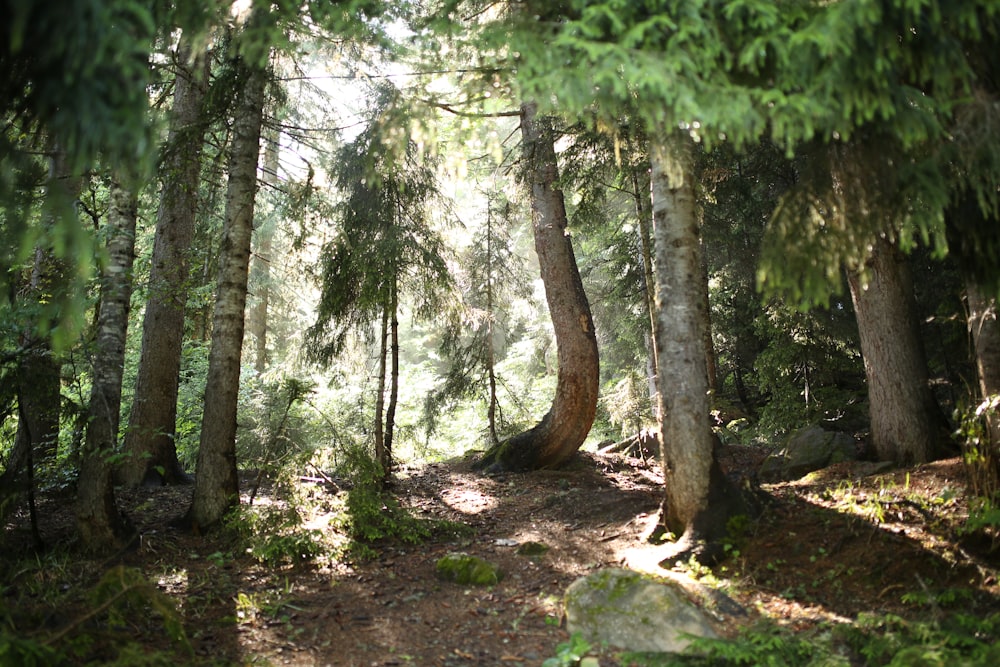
x: 828, y: 547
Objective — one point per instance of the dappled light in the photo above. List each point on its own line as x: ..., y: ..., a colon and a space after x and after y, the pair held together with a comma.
x: 372, y: 333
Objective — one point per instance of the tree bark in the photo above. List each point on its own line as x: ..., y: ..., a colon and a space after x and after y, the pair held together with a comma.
x: 39, y: 370
x: 907, y: 425
x: 383, y: 365
x: 699, y: 498
x: 644, y: 216
x: 984, y: 330
x: 99, y: 524
x: 390, y: 411
x: 563, y: 429
x: 216, y: 488
x: 150, y: 438
x: 260, y: 276
x: 490, y: 360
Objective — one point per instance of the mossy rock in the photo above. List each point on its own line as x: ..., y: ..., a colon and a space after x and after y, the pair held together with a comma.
x: 532, y: 549
x: 627, y: 610
x: 463, y: 568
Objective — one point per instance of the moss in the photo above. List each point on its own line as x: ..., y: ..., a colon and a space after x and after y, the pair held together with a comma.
x: 463, y: 568
x: 532, y: 549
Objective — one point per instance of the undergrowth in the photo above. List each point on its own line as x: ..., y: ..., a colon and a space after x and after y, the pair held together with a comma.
x: 875, y: 640
x: 107, y: 614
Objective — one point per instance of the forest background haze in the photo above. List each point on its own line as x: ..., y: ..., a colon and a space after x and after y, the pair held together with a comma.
x: 265, y: 262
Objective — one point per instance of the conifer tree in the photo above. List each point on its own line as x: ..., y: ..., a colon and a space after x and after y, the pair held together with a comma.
x: 385, y: 249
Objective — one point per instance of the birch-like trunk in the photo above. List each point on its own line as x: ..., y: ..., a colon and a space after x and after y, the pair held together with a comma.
x: 99, y: 523
x: 216, y: 488
x: 150, y: 438
x: 699, y: 499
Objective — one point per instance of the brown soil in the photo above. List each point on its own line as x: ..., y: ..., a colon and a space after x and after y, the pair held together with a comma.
x: 829, y: 547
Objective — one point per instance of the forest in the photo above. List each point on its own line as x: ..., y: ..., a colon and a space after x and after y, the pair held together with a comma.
x: 350, y: 332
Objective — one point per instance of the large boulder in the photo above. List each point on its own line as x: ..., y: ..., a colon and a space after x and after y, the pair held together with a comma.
x: 632, y: 612
x: 808, y: 449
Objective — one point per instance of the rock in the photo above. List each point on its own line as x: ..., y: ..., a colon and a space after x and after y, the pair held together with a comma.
x: 629, y: 611
x: 806, y: 450
x: 463, y: 568
x: 532, y: 549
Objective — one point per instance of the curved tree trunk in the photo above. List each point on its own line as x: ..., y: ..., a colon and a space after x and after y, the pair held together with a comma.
x: 98, y: 522
x: 563, y: 429
x: 149, y: 440
x: 699, y: 498
x: 216, y: 487
x: 907, y: 425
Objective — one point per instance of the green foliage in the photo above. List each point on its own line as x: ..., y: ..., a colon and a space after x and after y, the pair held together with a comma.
x: 569, y: 653
x: 982, y: 460
x: 372, y: 514
x: 124, y: 592
x: 16, y: 650
x: 122, y: 598
x: 809, y: 366
x: 957, y: 639
x: 275, y: 434
x: 273, y: 534
x: 386, y: 245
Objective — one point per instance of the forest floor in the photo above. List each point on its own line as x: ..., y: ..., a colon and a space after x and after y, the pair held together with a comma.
x: 834, y: 545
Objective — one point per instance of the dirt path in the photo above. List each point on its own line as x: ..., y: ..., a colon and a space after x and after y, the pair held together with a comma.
x: 827, y: 548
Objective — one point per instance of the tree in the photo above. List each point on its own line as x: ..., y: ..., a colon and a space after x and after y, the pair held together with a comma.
x: 216, y: 488
x: 385, y: 247
x: 699, y: 499
x: 495, y: 277
x: 907, y: 425
x: 149, y: 441
x: 565, y: 426
x: 98, y: 521
x: 260, y: 272
x: 41, y: 323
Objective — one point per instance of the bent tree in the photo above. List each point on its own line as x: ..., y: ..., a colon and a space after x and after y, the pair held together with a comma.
x: 562, y: 430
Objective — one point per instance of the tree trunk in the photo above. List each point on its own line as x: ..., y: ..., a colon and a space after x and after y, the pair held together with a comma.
x: 383, y: 364
x: 491, y: 374
x: 649, y: 283
x: 984, y: 463
x: 260, y: 276
x: 390, y: 411
x: 563, y: 429
x: 907, y: 425
x: 98, y: 522
x: 699, y: 498
x: 216, y: 487
x: 38, y: 370
x: 151, y: 452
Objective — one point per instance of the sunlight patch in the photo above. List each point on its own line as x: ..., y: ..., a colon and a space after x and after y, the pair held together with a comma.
x: 468, y: 501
